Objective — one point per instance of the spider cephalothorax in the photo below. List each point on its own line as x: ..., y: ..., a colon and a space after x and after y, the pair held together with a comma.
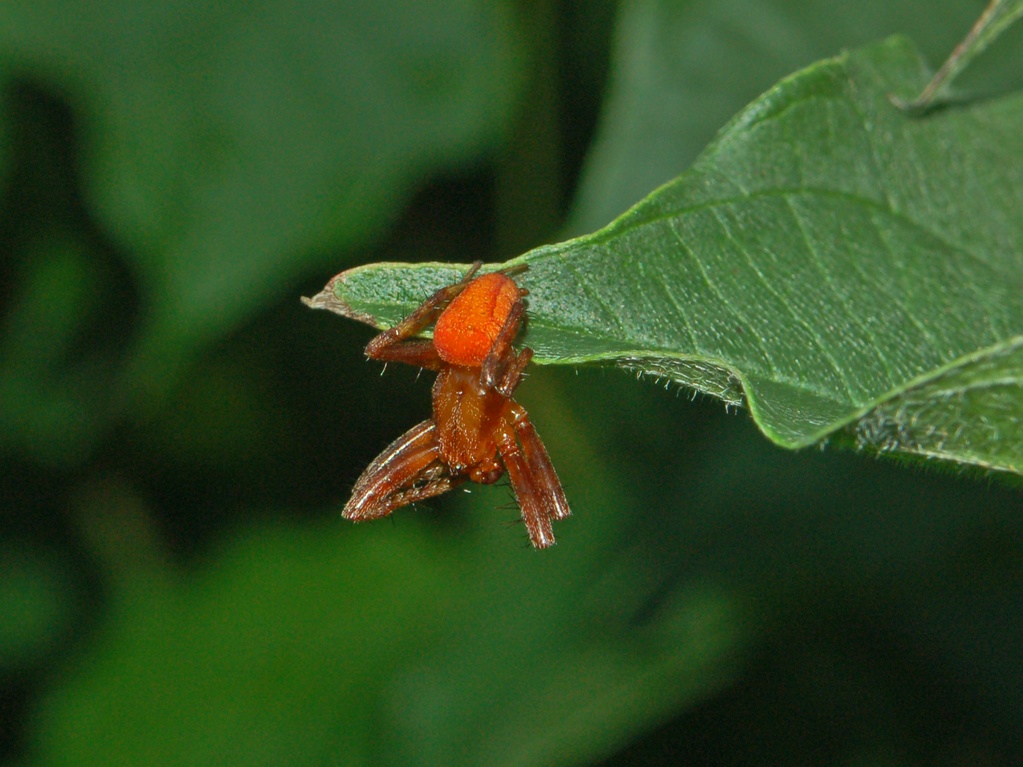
x: 477, y: 431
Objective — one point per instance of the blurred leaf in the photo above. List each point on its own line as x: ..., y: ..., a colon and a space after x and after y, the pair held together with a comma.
x: 34, y: 605
x: 54, y: 386
x: 228, y: 145
x: 827, y: 256
x: 376, y: 647
x: 5, y: 137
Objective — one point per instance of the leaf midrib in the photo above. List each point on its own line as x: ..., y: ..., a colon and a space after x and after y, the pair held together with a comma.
x: 1006, y: 346
x: 627, y: 226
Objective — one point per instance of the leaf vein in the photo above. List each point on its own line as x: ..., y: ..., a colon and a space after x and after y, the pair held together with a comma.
x: 724, y: 300
x: 850, y: 316
x: 788, y: 306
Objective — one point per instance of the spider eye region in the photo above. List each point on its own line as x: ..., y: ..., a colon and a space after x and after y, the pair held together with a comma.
x: 469, y: 326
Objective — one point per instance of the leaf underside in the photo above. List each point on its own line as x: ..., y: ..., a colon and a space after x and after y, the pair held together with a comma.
x: 830, y: 261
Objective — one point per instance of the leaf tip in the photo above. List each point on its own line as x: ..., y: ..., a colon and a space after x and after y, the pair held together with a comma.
x: 329, y: 299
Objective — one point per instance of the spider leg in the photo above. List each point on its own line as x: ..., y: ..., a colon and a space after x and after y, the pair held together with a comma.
x: 523, y: 482
x: 438, y: 485
x: 545, y: 477
x: 419, y: 352
x: 512, y: 376
x: 398, y: 345
x: 533, y: 478
x: 408, y: 470
x: 502, y: 368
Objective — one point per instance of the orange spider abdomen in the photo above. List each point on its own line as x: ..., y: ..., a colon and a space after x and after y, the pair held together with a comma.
x: 467, y: 329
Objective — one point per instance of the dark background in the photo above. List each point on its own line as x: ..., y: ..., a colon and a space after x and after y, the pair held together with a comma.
x: 178, y: 433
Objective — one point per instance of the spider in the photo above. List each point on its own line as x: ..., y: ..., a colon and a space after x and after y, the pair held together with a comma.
x: 477, y: 431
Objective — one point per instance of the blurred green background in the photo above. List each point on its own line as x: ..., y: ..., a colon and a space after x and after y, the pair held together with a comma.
x: 178, y: 433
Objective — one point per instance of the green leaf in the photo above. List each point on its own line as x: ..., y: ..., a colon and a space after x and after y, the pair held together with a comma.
x: 35, y: 604
x: 51, y: 388
x: 228, y: 146
x: 378, y: 646
x: 827, y: 256
x: 682, y: 70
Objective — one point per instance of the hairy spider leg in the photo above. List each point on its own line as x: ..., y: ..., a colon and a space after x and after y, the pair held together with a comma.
x: 397, y: 345
x: 513, y: 373
x: 492, y: 376
x: 523, y: 482
x: 408, y: 470
x: 546, y: 480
